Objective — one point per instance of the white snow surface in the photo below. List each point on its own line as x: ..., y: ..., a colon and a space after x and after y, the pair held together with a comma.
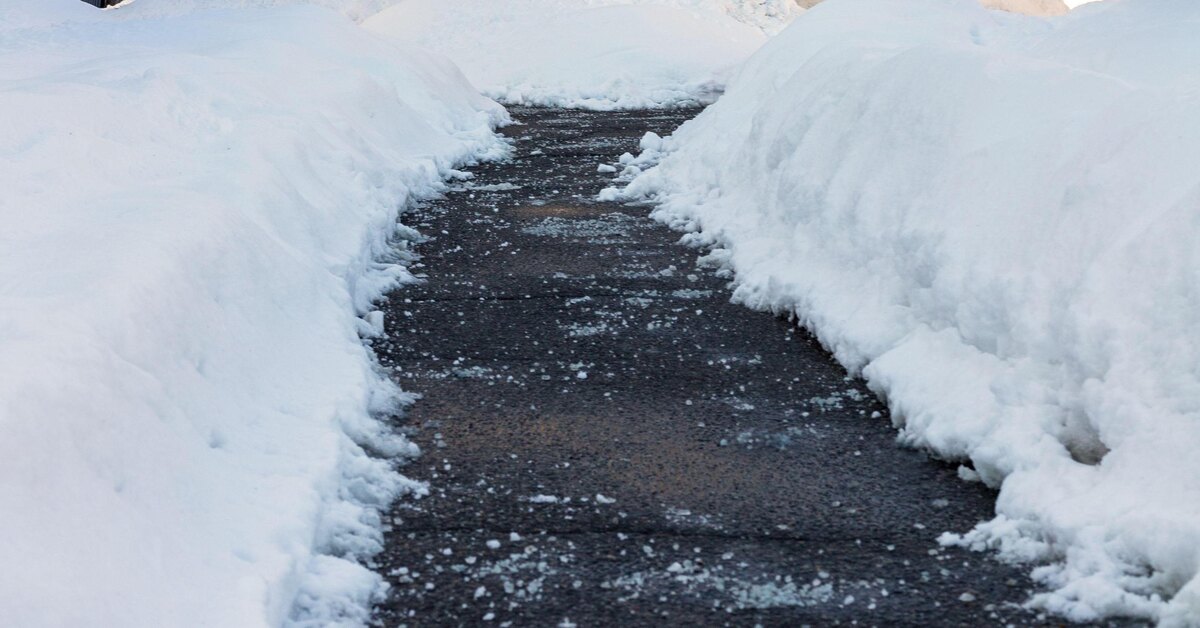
x: 195, y: 207
x: 1044, y: 8
x: 994, y: 218
x: 596, y: 54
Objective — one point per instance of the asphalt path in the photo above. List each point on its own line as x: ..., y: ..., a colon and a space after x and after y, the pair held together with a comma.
x: 608, y: 441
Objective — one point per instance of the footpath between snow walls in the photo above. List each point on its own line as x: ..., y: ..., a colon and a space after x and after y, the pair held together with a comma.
x: 994, y: 219
x: 195, y: 212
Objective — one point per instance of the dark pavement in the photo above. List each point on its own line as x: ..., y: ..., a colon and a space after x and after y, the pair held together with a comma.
x: 609, y: 442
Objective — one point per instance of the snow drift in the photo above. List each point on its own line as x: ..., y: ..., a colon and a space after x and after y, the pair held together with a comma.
x: 995, y: 219
x: 598, y: 54
x: 1043, y: 8
x: 194, y: 210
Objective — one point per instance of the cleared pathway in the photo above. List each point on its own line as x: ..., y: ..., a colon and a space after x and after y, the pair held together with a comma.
x: 608, y: 441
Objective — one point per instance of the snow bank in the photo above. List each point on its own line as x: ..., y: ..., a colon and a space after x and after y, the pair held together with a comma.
x: 357, y: 10
x: 192, y: 210
x: 995, y: 218
x: 597, y: 54
x: 1043, y: 8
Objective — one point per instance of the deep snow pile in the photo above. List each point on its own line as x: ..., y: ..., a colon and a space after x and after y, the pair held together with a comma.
x: 1043, y: 8
x: 599, y: 54
x: 995, y: 218
x: 191, y: 212
x: 356, y: 10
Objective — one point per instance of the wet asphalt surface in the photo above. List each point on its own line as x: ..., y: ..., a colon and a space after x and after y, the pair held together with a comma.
x: 609, y: 442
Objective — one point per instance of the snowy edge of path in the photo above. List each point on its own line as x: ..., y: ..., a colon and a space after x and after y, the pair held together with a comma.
x: 991, y: 217
x: 200, y: 208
